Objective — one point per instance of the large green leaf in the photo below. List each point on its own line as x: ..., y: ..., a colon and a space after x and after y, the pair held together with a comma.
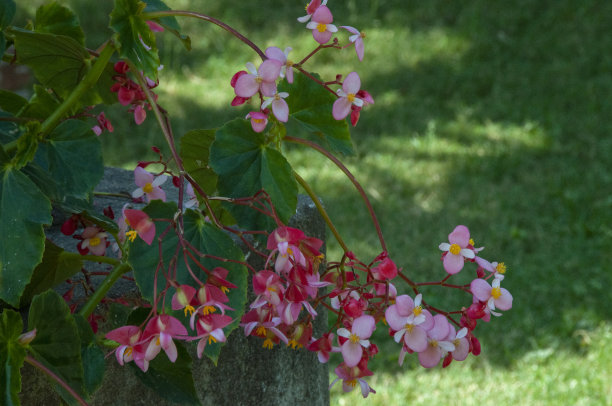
x: 91, y: 356
x: 24, y: 210
x: 132, y: 35
x: 11, y: 102
x: 40, y: 105
x: 12, y: 354
x: 206, y: 239
x: 9, y: 131
x: 195, y: 148
x: 57, y: 265
x: 54, y: 18
x: 57, y: 344
x: 171, y: 380
x: 74, y: 155
x: 169, y: 23
x: 310, y: 115
x: 7, y: 12
x: 246, y: 165
x: 58, y: 62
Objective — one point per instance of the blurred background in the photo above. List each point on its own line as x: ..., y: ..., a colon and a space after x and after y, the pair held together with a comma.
x: 492, y: 114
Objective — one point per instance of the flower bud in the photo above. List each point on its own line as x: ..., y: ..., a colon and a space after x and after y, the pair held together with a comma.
x: 26, y: 338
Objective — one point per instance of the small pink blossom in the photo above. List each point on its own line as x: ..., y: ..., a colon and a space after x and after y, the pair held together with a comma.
x: 279, y: 106
x: 141, y: 223
x: 461, y: 343
x: 210, y: 330
x: 437, y: 345
x: 183, y: 299
x: 259, y: 120
x: 192, y: 198
x: 103, y: 124
x: 348, y: 96
x: 323, y: 347
x: 321, y: 25
x: 160, y: 330
x: 283, y: 57
x: 456, y: 250
x: 495, y: 296
x: 357, y: 339
x: 310, y: 9
x: 148, y: 185
x: 357, y: 39
x: 351, y: 376
x: 262, y: 79
x: 94, y: 241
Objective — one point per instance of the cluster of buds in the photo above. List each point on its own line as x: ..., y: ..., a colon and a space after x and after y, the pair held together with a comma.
x: 129, y: 93
x: 262, y: 80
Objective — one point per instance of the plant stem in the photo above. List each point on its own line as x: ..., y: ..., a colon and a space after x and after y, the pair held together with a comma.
x: 88, y: 81
x: 321, y: 209
x: 32, y: 361
x: 92, y: 258
x: 179, y: 13
x: 103, y: 289
x: 351, y: 178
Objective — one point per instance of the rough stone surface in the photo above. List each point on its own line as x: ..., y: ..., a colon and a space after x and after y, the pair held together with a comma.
x: 246, y: 374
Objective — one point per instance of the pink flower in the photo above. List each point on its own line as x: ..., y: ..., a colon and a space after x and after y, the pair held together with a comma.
x: 323, y: 347
x: 351, y: 376
x: 456, y: 251
x: 311, y: 8
x: 268, y: 287
x: 357, y: 339
x: 385, y: 270
x: 103, y: 124
x: 192, y: 198
x: 264, y: 325
x: 321, y: 25
x: 494, y: 295
x: 348, y: 96
x: 94, y: 241
x: 129, y: 338
x: 160, y: 330
x: 210, y: 329
x: 283, y: 57
x: 409, y: 321
x: 259, y: 120
x: 436, y: 342
x: 141, y: 223
x: 357, y: 39
x: 183, y: 299
x: 279, y: 106
x: 460, y: 341
x: 148, y: 186
x: 262, y: 79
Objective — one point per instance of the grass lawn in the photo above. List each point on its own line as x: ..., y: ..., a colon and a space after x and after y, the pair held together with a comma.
x: 496, y: 115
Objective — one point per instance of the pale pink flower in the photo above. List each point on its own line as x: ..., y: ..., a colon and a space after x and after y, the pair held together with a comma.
x: 210, y: 329
x: 357, y: 339
x: 323, y: 347
x: 348, y: 96
x: 259, y: 120
x: 141, y: 224
x: 148, y: 185
x: 192, y: 198
x: 160, y: 330
x: 279, y: 106
x: 351, y: 376
x: 437, y: 345
x: 460, y: 341
x: 311, y: 8
x: 409, y: 321
x: 94, y: 240
x: 321, y: 25
x: 262, y: 79
x: 495, y: 296
x: 283, y: 57
x: 357, y: 39
x: 268, y: 287
x: 129, y: 349
x: 456, y: 249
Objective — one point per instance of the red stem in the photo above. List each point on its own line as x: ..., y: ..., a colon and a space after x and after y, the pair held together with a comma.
x: 32, y: 361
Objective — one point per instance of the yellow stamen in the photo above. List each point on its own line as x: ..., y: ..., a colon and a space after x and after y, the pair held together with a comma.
x: 148, y: 188
x: 131, y: 235
x: 454, y: 249
x: 352, y: 383
x: 471, y: 242
x: 496, y: 293
x: 362, y: 34
x: 128, y: 351
x: 294, y: 344
x: 268, y: 344
x: 94, y: 241
x: 157, y: 342
x: 208, y: 309
x: 190, y: 309
x: 224, y: 289
x: 261, y: 331
x: 409, y: 327
x: 321, y: 27
x: 258, y: 120
x: 354, y: 338
x: 501, y: 268
x: 211, y: 340
x: 433, y: 343
x: 351, y: 97
x: 417, y: 310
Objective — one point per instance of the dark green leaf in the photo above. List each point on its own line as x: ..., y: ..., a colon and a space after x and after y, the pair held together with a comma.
x: 53, y: 18
x: 132, y: 35
x: 245, y: 165
x: 40, y: 105
x: 172, y: 381
x: 91, y: 356
x: 24, y: 210
x: 12, y: 354
x: 57, y: 344
x: 58, y: 62
x: 7, y: 12
x: 195, y: 148
x: 11, y: 102
x: 9, y: 131
x: 206, y: 239
x: 75, y: 158
x: 57, y: 265
x: 27, y: 144
x: 310, y: 115
x: 169, y: 23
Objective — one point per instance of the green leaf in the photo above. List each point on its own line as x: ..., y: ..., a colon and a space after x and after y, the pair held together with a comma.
x: 11, y: 102
x: 57, y: 344
x: 9, y: 131
x: 12, y: 354
x: 7, y: 12
x: 27, y: 144
x: 246, y: 165
x: 58, y: 62
x: 91, y: 356
x: 74, y: 154
x: 54, y: 18
x: 195, y: 148
x: 57, y: 265
x: 24, y: 210
x: 172, y: 381
x: 169, y: 23
x: 132, y: 30
x: 310, y: 108
x: 206, y: 239
x: 41, y: 105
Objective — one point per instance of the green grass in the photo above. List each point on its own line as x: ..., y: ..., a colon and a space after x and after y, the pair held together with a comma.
x: 496, y: 115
